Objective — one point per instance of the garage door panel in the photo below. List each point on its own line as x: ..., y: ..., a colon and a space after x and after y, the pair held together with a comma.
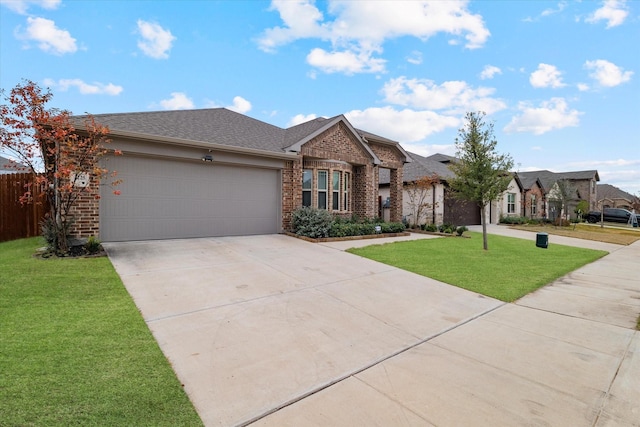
x: 163, y: 198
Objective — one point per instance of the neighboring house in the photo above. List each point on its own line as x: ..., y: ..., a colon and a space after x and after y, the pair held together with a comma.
x: 582, y: 183
x: 509, y: 203
x: 9, y: 166
x: 440, y: 206
x: 613, y: 197
x: 533, y: 196
x: 214, y: 172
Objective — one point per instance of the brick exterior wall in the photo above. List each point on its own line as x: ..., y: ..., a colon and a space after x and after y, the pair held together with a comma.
x: 291, y: 190
x: 540, y: 205
x: 391, y: 158
x: 86, y: 211
x: 336, y: 143
x: 338, y: 150
x: 87, y: 216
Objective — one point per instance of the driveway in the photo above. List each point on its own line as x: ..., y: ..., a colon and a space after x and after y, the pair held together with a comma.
x: 278, y: 331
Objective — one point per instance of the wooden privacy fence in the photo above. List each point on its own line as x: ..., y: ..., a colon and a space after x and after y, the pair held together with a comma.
x: 18, y: 221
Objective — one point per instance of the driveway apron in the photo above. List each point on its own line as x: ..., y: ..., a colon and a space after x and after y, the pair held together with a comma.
x: 276, y: 331
x: 253, y: 324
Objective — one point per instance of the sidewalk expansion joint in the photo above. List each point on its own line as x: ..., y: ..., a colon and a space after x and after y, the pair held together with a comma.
x: 371, y: 365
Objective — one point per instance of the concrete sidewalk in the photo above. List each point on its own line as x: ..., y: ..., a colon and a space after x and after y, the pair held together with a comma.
x: 275, y: 331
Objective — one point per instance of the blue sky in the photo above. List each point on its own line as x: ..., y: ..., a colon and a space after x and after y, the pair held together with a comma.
x: 560, y: 80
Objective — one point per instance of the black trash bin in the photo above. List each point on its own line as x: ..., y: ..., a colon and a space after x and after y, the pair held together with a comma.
x: 542, y: 240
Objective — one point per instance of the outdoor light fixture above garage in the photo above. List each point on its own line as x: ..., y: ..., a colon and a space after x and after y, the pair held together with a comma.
x: 207, y: 158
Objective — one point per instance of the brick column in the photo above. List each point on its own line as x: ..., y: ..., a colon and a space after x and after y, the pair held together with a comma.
x: 395, y: 193
x: 365, y: 192
x: 291, y: 190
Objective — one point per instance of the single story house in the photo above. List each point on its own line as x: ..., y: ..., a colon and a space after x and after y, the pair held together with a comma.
x: 508, y: 204
x: 439, y: 205
x: 613, y: 197
x: 530, y: 194
x: 215, y: 172
x: 541, y: 192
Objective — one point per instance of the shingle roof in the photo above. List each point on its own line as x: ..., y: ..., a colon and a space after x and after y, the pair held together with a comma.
x: 213, y: 125
x: 418, y: 168
x: 7, y: 166
x: 609, y: 191
x: 442, y: 158
x: 218, y: 126
x: 548, y: 178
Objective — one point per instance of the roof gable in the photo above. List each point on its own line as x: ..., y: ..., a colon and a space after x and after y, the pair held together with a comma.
x: 299, y: 135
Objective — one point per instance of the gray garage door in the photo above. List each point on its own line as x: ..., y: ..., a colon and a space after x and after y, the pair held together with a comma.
x: 167, y: 199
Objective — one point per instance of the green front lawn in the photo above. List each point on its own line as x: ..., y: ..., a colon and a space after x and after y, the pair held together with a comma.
x: 74, y: 349
x: 510, y: 269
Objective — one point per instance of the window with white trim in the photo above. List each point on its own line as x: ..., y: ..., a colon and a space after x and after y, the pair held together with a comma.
x: 511, y: 203
x: 534, y: 205
x: 307, y: 181
x: 346, y: 204
x: 323, y: 185
x: 335, y: 191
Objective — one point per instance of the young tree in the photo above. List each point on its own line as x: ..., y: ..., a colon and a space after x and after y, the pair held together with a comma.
x: 481, y: 174
x: 418, y: 193
x: 62, y: 160
x: 562, y: 193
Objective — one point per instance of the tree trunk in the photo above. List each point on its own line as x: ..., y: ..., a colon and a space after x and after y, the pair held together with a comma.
x: 483, y: 216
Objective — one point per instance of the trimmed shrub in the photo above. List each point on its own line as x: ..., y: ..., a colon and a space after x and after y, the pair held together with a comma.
x: 431, y: 227
x: 311, y: 222
x: 447, y: 228
x: 513, y: 220
x: 461, y: 230
x: 393, y: 227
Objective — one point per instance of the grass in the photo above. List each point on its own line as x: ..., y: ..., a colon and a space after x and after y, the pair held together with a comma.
x: 510, y: 269
x: 74, y: 349
x: 617, y: 235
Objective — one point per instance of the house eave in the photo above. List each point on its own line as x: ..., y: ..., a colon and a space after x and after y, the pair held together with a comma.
x: 200, y: 144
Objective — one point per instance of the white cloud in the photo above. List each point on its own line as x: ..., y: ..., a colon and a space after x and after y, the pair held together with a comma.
x: 85, y: 88
x: 612, y: 11
x: 550, y: 115
x: 240, y: 105
x: 401, y: 125
x: 301, y: 118
x: 607, y: 73
x: 156, y: 41
x: 415, y: 58
x: 347, y: 62
x: 360, y: 28
x: 21, y: 6
x: 561, y: 6
x: 489, y: 72
x: 49, y: 38
x: 451, y: 96
x: 302, y: 20
x: 546, y: 76
x: 583, y: 87
x: 178, y: 101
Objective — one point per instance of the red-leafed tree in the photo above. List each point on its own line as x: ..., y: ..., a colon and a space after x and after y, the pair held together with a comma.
x: 64, y: 161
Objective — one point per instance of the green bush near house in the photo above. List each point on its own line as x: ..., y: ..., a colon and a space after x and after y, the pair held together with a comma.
x: 74, y: 349
x: 510, y: 269
x: 319, y: 223
x: 311, y: 222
